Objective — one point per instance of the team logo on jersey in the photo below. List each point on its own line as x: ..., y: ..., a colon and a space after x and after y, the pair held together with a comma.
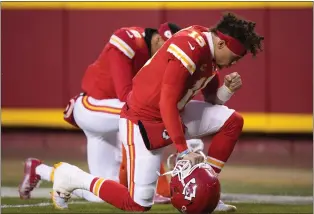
x: 165, y: 135
x: 189, y: 190
x: 69, y: 109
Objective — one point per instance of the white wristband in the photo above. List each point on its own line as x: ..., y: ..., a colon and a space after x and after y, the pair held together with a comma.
x: 224, y: 93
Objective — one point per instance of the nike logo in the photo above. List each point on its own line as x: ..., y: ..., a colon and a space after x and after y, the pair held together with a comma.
x: 129, y: 34
x: 191, y: 46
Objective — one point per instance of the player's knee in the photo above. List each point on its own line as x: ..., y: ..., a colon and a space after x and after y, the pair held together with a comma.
x: 139, y: 208
x: 135, y: 207
x: 238, y: 121
x: 234, y: 125
x: 143, y: 202
x: 144, y: 196
x: 146, y: 209
x: 195, y: 145
x: 146, y: 192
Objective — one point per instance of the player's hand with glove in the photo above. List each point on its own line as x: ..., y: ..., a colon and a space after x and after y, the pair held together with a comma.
x: 233, y: 81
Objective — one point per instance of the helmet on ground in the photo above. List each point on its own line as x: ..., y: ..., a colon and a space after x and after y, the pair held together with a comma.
x: 194, y: 190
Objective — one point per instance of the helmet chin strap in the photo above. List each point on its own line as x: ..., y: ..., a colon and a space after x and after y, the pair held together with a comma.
x: 194, y: 145
x: 170, y: 158
x: 175, y: 156
x: 183, y: 168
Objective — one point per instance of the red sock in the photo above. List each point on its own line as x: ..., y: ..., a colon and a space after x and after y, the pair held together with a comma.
x: 223, y: 142
x: 115, y: 194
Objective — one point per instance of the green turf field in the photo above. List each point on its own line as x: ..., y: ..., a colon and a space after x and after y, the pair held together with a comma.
x: 234, y: 179
x: 104, y: 208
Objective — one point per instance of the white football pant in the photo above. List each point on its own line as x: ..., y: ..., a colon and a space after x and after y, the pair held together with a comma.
x: 201, y: 119
x: 99, y: 119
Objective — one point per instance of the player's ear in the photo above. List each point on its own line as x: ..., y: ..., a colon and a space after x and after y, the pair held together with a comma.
x: 159, y: 38
x: 155, y: 39
x: 221, y: 44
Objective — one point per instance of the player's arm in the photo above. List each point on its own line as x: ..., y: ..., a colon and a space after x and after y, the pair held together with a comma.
x: 210, y: 91
x: 214, y: 93
x: 184, y: 55
x: 172, y: 88
x: 220, y: 95
x: 122, y: 74
x: 121, y: 56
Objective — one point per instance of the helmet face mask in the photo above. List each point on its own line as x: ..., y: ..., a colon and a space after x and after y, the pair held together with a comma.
x: 194, y: 189
x: 182, y: 169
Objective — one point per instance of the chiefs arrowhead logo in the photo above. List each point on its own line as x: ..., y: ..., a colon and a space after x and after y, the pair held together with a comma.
x: 189, y: 190
x: 69, y: 109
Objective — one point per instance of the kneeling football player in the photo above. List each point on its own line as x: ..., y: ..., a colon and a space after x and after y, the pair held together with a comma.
x: 157, y: 113
x: 96, y: 111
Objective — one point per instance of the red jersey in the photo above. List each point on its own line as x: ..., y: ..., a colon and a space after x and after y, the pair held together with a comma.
x: 172, y: 77
x: 110, y: 76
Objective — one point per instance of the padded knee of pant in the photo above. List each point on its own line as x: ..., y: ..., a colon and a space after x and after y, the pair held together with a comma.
x: 195, y: 145
x: 146, y: 192
x: 147, y: 209
x: 238, y: 119
x: 139, y: 208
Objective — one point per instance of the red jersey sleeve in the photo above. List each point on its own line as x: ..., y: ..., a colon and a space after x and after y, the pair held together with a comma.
x: 123, y: 43
x: 172, y: 87
x: 122, y: 73
x: 186, y: 50
x: 184, y: 56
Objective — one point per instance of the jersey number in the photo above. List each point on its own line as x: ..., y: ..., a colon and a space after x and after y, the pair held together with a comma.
x: 133, y: 33
x: 199, y: 39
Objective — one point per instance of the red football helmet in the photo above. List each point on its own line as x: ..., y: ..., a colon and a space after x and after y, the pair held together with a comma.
x: 194, y: 190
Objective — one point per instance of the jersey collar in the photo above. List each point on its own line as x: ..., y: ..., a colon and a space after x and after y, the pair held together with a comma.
x: 210, y: 43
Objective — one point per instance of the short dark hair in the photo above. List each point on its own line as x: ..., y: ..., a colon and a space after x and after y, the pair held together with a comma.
x: 149, y: 32
x: 242, y: 30
x: 173, y: 28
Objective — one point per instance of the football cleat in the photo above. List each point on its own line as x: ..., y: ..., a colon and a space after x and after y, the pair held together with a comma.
x: 30, y: 179
x: 159, y: 199
x: 222, y: 207
x: 59, y: 200
x: 67, y: 178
